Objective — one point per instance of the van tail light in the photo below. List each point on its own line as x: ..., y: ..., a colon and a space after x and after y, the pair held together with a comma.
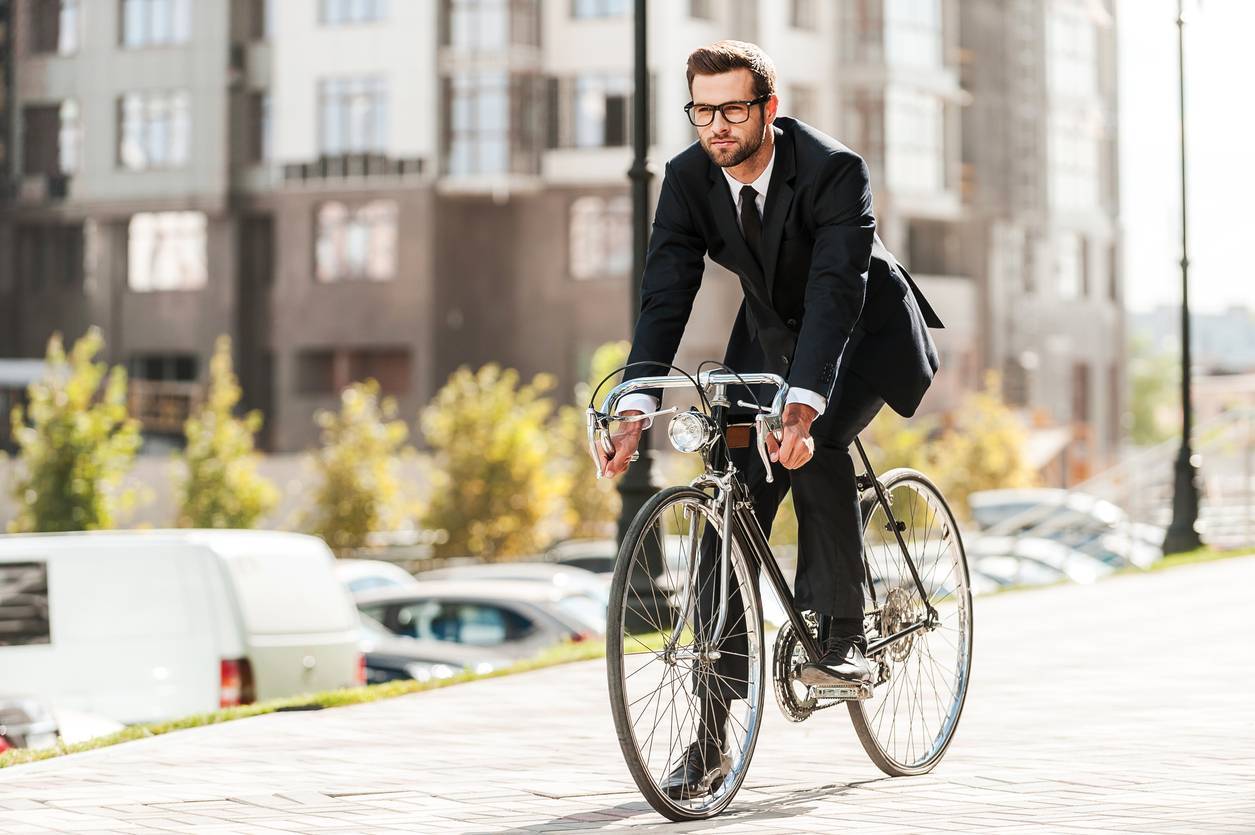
x: 4, y: 745
x: 361, y: 669
x: 236, y: 676
x: 579, y: 637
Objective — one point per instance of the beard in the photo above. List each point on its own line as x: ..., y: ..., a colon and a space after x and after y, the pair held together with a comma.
x: 737, y: 154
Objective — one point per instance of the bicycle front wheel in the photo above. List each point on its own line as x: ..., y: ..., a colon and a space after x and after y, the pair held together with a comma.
x: 921, y: 678
x: 665, y: 673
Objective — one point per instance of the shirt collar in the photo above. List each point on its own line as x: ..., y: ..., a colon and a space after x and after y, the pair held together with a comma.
x: 760, y: 185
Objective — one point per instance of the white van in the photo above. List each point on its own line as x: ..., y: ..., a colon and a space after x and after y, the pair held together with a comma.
x: 149, y: 625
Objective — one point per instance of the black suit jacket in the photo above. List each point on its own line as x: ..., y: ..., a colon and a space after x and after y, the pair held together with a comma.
x: 828, y: 300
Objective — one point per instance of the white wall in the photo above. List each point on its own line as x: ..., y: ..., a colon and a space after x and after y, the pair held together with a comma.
x: 401, y: 48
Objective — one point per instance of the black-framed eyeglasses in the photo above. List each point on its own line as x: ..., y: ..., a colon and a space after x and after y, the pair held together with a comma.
x: 733, y: 112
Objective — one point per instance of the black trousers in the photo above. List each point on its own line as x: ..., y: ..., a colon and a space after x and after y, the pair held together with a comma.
x: 830, y: 542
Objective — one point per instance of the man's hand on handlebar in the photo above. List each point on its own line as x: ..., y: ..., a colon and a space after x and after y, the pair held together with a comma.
x: 797, y: 446
x: 625, y: 439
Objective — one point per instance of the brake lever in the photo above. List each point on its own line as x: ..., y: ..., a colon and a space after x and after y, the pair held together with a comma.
x: 765, y: 424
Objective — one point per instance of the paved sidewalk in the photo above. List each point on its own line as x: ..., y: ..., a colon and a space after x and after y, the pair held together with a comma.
x: 1126, y: 706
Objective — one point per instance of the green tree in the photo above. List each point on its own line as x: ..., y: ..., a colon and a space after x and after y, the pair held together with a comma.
x: 222, y: 488
x: 982, y: 448
x: 1156, y: 388
x: 592, y: 503
x: 79, y: 443
x: 496, y: 487
x: 359, y: 490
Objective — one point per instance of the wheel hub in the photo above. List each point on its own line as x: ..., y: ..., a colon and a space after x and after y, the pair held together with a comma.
x: 899, y: 612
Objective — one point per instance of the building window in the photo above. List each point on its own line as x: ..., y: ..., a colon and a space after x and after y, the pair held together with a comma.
x: 803, y: 103
x: 1080, y: 392
x: 352, y: 115
x: 24, y: 610
x: 261, y: 21
x: 50, y: 256
x: 155, y: 130
x: 260, y: 130
x: 932, y: 247
x: 802, y: 14
x: 1073, y: 164
x: 479, y: 124
x: 156, y: 22
x: 586, y: 9
x: 482, y: 25
x: 590, y: 111
x: 1069, y: 267
x: 1113, y: 272
x: 356, y: 243
x: 54, y: 26
x: 337, y: 12
x: 601, y: 236
x: 167, y: 251
x: 182, y: 368
x: 1072, y: 47
x: 701, y: 10
x: 52, y: 139
x: 914, y: 156
x: 913, y: 34
x: 322, y: 371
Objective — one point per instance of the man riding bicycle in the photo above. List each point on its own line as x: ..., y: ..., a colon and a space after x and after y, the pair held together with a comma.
x: 788, y: 210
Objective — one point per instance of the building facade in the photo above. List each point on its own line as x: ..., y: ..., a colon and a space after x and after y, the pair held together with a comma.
x: 376, y: 188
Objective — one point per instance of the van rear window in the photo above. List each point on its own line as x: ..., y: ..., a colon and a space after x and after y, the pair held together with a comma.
x: 24, y: 604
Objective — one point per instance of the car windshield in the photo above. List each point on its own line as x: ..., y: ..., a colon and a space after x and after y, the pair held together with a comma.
x: 589, y: 610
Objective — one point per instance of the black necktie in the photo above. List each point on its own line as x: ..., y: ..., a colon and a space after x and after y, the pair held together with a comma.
x: 751, y: 223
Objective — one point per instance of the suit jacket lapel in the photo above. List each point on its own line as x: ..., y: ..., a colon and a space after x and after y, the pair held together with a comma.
x: 779, y: 198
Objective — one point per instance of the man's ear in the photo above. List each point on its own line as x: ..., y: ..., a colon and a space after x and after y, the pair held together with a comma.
x: 770, y: 107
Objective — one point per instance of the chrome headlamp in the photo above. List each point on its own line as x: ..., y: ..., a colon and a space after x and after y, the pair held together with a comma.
x: 689, y: 431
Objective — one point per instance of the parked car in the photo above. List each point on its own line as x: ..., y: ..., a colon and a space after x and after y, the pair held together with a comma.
x: 595, y: 555
x: 367, y: 575
x: 390, y: 657
x: 1009, y: 571
x: 26, y: 723
x: 566, y: 578
x: 517, y: 619
x: 149, y: 625
x: 1079, y: 520
x: 1075, y: 565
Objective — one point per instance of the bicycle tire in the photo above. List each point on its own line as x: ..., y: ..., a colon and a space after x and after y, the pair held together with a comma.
x: 898, y: 594
x: 647, y: 768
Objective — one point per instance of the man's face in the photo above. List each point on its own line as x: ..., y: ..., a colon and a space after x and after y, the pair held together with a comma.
x: 725, y: 143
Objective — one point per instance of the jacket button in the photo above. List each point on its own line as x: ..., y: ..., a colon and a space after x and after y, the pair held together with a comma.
x: 792, y: 323
x: 784, y: 358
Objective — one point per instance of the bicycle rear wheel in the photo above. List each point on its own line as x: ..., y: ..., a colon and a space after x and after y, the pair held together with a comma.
x: 657, y: 685
x: 921, y: 679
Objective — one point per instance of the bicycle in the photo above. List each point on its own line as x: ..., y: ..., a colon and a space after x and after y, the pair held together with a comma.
x: 678, y: 623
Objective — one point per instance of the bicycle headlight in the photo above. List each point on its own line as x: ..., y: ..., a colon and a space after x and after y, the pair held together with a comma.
x: 688, y: 431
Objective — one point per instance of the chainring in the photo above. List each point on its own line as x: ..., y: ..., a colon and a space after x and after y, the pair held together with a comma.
x: 791, y: 695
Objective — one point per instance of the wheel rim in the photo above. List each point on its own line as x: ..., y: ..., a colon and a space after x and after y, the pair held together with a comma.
x: 658, y: 686
x: 921, y: 679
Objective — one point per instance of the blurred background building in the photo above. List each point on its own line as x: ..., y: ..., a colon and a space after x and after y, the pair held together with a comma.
x: 365, y: 188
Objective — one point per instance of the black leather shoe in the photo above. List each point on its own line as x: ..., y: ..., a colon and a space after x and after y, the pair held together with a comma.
x: 700, y: 771
x: 842, y: 664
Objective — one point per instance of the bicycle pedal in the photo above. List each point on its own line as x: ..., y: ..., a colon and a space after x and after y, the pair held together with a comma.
x: 844, y: 694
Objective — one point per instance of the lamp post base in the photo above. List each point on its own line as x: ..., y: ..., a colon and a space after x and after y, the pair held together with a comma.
x: 1181, y: 535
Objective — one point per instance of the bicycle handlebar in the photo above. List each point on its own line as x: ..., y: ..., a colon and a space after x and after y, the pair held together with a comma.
x: 768, y: 421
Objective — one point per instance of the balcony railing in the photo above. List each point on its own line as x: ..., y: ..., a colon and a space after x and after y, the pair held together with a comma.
x: 162, y: 406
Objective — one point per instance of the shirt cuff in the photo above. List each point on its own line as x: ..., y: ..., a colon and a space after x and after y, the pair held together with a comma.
x: 813, y: 399
x: 645, y: 402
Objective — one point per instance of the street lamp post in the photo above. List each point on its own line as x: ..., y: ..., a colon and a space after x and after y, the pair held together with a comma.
x: 1182, y: 534
x: 637, y: 484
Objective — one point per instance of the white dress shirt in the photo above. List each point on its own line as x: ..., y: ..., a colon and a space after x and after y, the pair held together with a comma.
x: 649, y: 403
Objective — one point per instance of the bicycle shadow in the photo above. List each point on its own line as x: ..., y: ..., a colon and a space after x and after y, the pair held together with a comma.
x: 750, y: 806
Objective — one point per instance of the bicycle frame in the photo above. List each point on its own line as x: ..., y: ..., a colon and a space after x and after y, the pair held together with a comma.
x: 733, y: 505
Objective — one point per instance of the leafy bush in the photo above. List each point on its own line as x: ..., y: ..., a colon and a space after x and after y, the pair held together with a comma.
x: 80, y: 441
x: 222, y: 488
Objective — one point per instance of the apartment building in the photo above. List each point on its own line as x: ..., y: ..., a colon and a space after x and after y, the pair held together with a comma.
x: 391, y: 189
x: 1041, y: 182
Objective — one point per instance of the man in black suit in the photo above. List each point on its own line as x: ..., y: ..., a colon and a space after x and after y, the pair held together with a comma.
x: 789, y: 211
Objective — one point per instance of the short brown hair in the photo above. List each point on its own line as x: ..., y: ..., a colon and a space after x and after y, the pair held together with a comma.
x: 726, y: 56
